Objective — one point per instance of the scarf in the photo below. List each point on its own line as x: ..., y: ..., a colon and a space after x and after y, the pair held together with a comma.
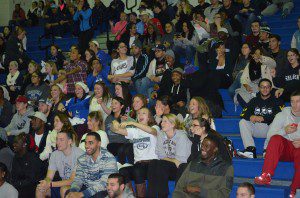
x: 254, y: 70
x: 11, y: 80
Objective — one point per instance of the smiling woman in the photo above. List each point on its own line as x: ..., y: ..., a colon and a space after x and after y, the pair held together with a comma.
x: 173, y: 148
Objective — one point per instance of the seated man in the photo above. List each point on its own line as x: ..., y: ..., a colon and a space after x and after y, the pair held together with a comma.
x: 257, y: 116
x: 284, y: 145
x: 245, y: 190
x: 62, y: 160
x: 116, y: 187
x: 208, y: 175
x: 20, y: 121
x: 93, y: 169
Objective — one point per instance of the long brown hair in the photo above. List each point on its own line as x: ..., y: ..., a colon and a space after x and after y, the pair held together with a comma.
x: 67, y: 126
x: 133, y: 113
x: 97, y: 116
x: 106, y: 94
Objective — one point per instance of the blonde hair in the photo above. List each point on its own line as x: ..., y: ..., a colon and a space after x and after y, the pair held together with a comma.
x: 53, y: 66
x: 202, y: 107
x: 175, y: 120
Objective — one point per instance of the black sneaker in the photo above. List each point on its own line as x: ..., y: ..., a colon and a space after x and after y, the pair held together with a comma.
x: 249, y: 152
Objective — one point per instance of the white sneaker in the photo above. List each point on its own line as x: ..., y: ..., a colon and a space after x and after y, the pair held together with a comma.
x: 245, y: 154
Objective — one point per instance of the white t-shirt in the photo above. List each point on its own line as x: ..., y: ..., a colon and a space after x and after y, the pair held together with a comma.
x: 119, y: 66
x: 8, y: 191
x: 94, y: 106
x: 144, y: 144
x: 37, y: 139
x: 104, y: 140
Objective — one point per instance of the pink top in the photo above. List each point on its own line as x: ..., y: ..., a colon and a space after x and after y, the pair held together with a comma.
x: 118, y: 27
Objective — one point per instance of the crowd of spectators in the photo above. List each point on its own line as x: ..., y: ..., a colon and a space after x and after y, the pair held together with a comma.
x: 88, y: 123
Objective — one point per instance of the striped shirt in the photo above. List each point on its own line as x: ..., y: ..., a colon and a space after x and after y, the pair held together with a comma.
x: 93, y: 174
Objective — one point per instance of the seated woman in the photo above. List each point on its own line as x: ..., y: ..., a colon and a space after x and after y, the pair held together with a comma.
x: 57, y: 57
x: 186, y: 42
x: 168, y: 38
x: 130, y: 35
x: 118, y: 145
x: 37, y: 89
x: 26, y: 166
x: 239, y: 67
x: 89, y: 57
x: 149, y: 39
x: 78, y: 108
x: 120, y: 27
x: 198, y: 108
x: 220, y: 22
x: 14, y: 81
x: 32, y: 67
x: 61, y: 123
x: 57, y: 99
x: 122, y: 91
x: 258, y: 67
x: 51, y: 72
x: 290, y: 79
x: 163, y: 106
x: 101, y: 100
x: 139, y: 101
x: 173, y: 148
x: 121, y: 67
x: 95, y: 124
x: 143, y: 134
x: 98, y: 73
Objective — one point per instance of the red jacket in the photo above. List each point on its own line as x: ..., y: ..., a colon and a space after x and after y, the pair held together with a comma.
x: 20, y: 14
x: 157, y: 23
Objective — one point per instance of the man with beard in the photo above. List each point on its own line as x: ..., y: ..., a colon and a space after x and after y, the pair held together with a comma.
x: 93, y: 169
x: 209, y: 175
x: 116, y: 187
x: 257, y: 116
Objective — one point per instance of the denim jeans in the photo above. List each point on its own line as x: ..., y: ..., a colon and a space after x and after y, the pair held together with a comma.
x: 235, y: 85
x: 141, y: 86
x: 188, y: 52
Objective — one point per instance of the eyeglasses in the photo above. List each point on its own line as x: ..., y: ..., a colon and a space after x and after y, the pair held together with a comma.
x: 265, y: 87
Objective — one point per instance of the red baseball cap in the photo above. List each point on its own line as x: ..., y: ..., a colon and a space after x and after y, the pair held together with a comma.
x: 22, y: 99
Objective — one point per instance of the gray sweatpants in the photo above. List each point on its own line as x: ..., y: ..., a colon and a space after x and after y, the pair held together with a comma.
x: 273, y: 8
x: 249, y: 130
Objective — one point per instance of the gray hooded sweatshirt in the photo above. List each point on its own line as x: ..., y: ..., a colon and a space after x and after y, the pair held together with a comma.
x: 281, y: 120
x: 20, y: 123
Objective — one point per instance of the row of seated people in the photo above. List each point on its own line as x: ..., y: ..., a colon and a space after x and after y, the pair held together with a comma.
x: 171, y: 139
x: 77, y: 179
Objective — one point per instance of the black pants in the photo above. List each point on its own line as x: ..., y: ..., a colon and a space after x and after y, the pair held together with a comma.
x: 84, y: 38
x: 159, y: 174
x: 123, y: 151
x: 137, y: 172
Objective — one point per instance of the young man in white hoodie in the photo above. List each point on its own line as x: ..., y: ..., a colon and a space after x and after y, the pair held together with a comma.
x: 284, y: 143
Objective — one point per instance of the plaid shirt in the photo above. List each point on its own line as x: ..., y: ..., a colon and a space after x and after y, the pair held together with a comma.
x: 77, y: 77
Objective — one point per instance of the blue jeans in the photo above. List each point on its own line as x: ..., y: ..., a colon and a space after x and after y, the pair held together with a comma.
x: 141, y: 86
x: 235, y: 85
x: 189, y: 52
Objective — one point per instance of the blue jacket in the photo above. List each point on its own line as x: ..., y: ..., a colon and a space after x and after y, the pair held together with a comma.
x: 104, y: 58
x: 80, y: 108
x: 102, y: 76
x: 84, y: 18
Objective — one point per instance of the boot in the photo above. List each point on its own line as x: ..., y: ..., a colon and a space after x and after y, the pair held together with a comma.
x: 141, y: 190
